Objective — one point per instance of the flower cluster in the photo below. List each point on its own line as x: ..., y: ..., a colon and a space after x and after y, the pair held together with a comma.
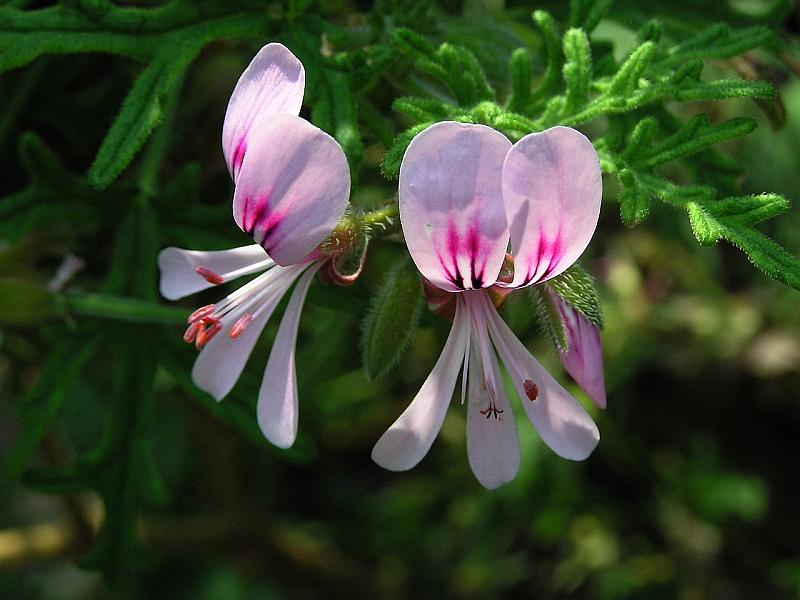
x: 466, y: 195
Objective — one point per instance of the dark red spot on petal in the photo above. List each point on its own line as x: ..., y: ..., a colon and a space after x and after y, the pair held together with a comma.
x: 531, y: 391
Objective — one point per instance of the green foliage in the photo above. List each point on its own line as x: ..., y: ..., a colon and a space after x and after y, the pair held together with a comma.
x: 392, y: 320
x: 168, y: 38
x: 141, y: 112
x: 521, y: 69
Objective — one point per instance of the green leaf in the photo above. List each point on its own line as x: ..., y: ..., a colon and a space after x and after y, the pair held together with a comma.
x: 390, y: 165
x: 117, y: 308
x: 597, y: 10
x: 424, y: 109
x: 577, y: 69
x: 392, y: 320
x: 764, y: 253
x: 552, y: 45
x: 141, y: 111
x: 627, y: 78
x: 413, y: 44
x: 750, y: 210
x: 641, y: 138
x: 521, y: 68
x: 695, y: 136
x: 705, y: 228
x: 466, y: 77
x: 634, y: 205
x: 587, y: 14
x: 41, y: 406
x: 717, y: 41
x: 724, y: 89
x: 577, y: 287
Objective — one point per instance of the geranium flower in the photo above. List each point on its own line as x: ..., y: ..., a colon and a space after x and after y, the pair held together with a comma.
x: 465, y: 192
x: 292, y: 187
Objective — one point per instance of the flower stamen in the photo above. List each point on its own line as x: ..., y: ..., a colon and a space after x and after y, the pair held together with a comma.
x: 201, y: 313
x: 191, y: 333
x: 240, y: 325
x: 210, y: 276
x: 211, y: 328
x: 491, y: 411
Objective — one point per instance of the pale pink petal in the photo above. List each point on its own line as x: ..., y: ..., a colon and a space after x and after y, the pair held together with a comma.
x: 552, y: 189
x: 408, y: 440
x: 184, y: 272
x: 277, y: 398
x: 272, y: 84
x: 492, y: 441
x: 559, y: 418
x: 222, y: 360
x: 583, y: 359
x: 293, y: 187
x: 451, y: 205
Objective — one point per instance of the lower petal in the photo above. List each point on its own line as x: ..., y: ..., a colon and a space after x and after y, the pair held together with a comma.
x: 222, y: 360
x: 408, y: 440
x: 277, y: 398
x: 561, y: 421
x: 492, y: 441
x: 185, y: 272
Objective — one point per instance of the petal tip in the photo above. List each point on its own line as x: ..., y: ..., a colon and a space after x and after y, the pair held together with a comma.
x: 388, y: 451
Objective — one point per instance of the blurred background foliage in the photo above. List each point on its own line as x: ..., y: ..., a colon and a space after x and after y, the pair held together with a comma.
x: 122, y: 479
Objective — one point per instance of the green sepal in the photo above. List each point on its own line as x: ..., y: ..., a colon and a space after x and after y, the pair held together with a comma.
x: 392, y: 320
x: 548, y: 317
x: 576, y: 286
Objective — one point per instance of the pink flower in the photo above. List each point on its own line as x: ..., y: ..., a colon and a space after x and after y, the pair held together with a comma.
x: 465, y: 193
x: 292, y: 187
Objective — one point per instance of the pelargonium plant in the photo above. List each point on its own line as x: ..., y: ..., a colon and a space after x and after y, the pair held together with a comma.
x: 395, y: 148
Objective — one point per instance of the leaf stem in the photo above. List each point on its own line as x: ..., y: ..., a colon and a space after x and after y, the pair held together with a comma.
x: 122, y: 309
